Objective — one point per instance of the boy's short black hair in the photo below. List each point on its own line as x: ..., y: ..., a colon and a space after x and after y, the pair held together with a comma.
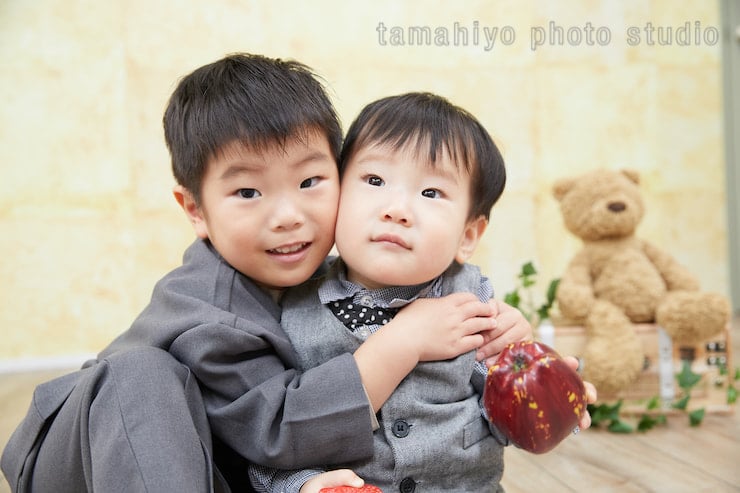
x: 252, y: 99
x: 427, y: 120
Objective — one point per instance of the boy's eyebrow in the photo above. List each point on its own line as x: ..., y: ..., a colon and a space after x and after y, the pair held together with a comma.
x: 446, y: 172
x: 238, y: 169
x: 370, y: 157
x: 312, y: 156
x: 451, y: 173
x: 248, y: 166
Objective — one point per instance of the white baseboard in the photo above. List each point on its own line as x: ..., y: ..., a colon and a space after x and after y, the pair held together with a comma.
x: 63, y: 362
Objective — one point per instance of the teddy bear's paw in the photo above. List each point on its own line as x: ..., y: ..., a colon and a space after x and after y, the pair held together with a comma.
x: 613, y: 357
x: 691, y: 317
x: 612, y: 364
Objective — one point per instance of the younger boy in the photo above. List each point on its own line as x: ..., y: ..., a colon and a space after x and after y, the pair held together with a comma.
x: 206, y: 369
x: 419, y: 179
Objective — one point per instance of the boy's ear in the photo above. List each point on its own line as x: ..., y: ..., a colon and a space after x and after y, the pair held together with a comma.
x: 471, y: 236
x: 192, y: 210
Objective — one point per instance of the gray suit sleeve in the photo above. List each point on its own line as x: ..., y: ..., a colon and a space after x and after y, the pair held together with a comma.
x: 270, y: 414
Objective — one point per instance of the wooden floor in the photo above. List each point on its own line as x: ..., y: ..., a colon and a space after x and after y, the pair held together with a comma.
x: 674, y: 458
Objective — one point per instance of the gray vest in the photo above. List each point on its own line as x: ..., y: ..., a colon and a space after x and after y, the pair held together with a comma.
x: 432, y: 437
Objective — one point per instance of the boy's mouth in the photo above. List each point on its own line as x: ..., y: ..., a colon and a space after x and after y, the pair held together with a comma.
x: 392, y: 240
x: 288, y: 249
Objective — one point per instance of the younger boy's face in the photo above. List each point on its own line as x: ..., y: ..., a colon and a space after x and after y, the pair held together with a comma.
x: 271, y: 214
x: 402, y: 221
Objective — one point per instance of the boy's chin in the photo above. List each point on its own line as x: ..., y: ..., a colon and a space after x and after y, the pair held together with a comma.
x: 292, y: 277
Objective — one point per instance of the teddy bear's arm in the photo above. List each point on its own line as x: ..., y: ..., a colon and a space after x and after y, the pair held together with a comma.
x: 675, y: 275
x: 575, y: 292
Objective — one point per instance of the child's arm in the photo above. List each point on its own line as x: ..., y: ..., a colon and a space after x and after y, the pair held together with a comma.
x: 425, y: 330
x: 274, y: 415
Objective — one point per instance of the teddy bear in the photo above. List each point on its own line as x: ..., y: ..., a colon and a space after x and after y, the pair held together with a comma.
x: 618, y: 279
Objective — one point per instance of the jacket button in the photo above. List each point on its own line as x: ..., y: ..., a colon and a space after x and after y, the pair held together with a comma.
x: 400, y: 429
x: 408, y: 485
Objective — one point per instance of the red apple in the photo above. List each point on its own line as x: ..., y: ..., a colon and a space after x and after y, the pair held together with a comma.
x: 367, y: 488
x: 533, y: 397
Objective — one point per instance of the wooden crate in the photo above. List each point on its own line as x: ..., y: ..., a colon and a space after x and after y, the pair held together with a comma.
x: 663, y: 360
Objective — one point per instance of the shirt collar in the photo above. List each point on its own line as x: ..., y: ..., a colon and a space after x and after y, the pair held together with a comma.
x: 338, y: 287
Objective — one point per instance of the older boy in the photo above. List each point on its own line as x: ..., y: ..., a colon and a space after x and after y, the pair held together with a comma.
x: 206, y: 368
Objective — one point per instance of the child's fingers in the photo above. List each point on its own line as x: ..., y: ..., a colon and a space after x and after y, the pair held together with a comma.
x: 470, y: 306
x: 591, y: 394
x: 331, y: 479
x: 489, y: 352
x: 571, y: 361
x: 343, y: 477
x: 585, y: 421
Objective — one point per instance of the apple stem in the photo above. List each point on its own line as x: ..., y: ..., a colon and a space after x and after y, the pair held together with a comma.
x: 520, y: 362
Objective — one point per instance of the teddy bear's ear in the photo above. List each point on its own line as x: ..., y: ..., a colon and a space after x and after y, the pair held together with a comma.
x: 562, y: 187
x: 632, y: 175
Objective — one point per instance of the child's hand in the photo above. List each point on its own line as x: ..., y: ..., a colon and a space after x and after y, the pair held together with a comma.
x: 511, y: 326
x: 338, y: 477
x: 443, y: 328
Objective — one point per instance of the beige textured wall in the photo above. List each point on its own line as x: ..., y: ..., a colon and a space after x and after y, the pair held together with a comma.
x: 87, y: 218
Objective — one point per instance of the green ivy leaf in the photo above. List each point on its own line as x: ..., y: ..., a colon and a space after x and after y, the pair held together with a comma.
x: 596, y: 412
x: 696, y: 417
x: 653, y: 403
x: 737, y: 373
x: 522, y: 297
x: 681, y: 403
x: 604, y: 412
x: 687, y: 378
x: 552, y: 291
x: 528, y: 270
x: 512, y: 299
x: 731, y: 394
x: 648, y: 422
x: 618, y: 426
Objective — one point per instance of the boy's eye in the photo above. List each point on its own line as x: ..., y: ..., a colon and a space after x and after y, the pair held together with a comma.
x: 375, y: 181
x: 248, y: 193
x: 431, y: 193
x: 310, y: 182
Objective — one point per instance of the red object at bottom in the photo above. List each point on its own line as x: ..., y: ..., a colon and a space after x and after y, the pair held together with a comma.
x: 368, y: 488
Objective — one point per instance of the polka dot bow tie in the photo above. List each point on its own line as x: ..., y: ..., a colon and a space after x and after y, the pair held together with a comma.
x: 354, y: 315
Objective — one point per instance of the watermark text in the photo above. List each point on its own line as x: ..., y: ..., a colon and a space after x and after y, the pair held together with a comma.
x: 489, y: 37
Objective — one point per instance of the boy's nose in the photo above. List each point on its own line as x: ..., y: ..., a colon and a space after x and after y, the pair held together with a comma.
x: 286, y: 215
x: 398, y: 212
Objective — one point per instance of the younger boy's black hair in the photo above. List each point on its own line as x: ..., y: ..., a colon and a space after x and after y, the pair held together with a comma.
x: 429, y: 121
x: 255, y: 100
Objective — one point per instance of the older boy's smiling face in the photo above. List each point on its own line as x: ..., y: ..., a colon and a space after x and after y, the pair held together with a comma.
x: 271, y: 214
x: 402, y: 221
